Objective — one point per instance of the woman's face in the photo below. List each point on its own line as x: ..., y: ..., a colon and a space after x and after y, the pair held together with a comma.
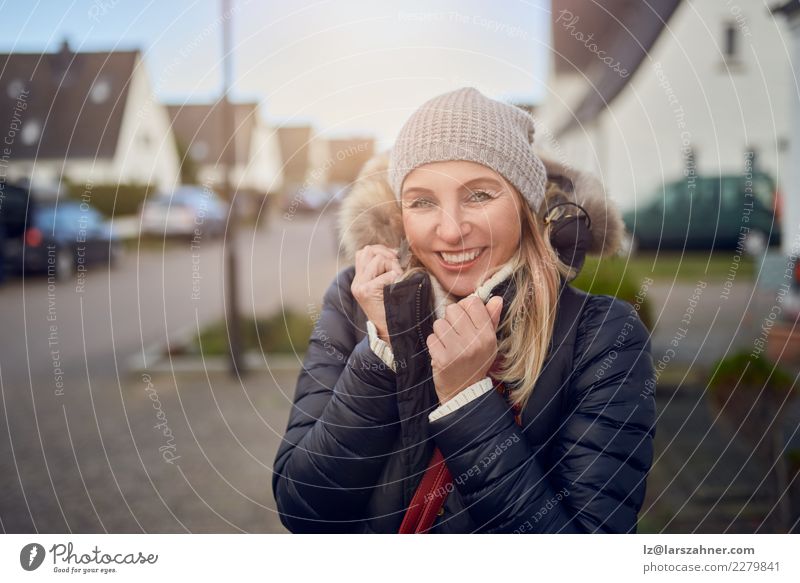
x: 462, y: 220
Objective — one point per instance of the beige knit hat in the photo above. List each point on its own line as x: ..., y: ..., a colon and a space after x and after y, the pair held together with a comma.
x: 466, y: 125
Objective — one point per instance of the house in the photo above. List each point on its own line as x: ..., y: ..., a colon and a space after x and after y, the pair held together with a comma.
x: 644, y: 93
x: 790, y: 219
x: 201, y: 133
x: 303, y: 153
x: 87, y: 117
x: 347, y: 157
x: 319, y: 170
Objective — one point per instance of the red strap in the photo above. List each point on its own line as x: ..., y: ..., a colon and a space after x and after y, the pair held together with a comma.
x: 429, y: 497
x: 435, y: 485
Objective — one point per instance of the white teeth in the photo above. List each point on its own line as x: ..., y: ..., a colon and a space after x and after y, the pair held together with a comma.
x: 456, y: 258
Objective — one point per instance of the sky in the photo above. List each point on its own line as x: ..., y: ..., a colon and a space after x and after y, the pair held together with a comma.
x: 351, y: 68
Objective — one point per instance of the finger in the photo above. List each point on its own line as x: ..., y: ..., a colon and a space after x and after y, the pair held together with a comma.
x: 435, y: 346
x: 396, y: 266
x: 384, y: 249
x: 444, y: 332
x: 459, y: 320
x: 381, y: 250
x: 373, y: 268
x: 385, y: 279
x: 495, y: 307
x: 360, y: 263
x: 368, y: 252
x: 477, y: 312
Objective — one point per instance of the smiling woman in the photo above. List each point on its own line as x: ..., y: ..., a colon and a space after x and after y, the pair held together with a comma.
x: 477, y: 393
x: 453, y: 222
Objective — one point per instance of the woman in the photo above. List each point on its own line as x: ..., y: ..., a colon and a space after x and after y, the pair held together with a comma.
x: 455, y: 382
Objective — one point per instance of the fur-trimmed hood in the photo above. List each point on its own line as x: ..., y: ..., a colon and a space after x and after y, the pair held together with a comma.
x: 370, y: 213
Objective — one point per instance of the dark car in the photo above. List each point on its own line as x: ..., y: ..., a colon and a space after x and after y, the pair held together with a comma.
x: 56, y: 237
x: 13, y: 219
x: 708, y: 212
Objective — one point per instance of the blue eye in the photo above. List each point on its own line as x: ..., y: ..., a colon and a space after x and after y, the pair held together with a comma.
x: 482, y: 194
x: 420, y: 202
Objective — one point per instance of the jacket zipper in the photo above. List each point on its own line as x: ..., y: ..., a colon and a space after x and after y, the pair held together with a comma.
x: 419, y: 315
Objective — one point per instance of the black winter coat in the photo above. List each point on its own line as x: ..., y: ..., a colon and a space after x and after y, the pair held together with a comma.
x: 358, y: 438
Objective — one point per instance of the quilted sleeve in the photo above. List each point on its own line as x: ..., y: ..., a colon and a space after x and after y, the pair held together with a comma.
x: 342, y: 425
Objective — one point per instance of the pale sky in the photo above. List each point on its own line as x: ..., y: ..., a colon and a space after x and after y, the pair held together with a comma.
x: 348, y: 67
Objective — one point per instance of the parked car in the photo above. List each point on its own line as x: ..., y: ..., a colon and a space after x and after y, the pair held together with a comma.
x: 187, y: 211
x: 312, y: 199
x: 13, y: 221
x: 713, y: 212
x: 60, y: 236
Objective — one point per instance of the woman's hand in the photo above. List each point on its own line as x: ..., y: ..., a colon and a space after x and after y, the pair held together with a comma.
x: 463, y: 345
x: 376, y: 266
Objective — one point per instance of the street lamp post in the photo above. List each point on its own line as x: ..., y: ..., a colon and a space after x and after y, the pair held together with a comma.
x: 229, y: 137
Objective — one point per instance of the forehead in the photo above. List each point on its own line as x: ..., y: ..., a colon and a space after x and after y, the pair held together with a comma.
x: 449, y: 174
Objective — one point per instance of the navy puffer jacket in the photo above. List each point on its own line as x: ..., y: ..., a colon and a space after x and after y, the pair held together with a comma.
x: 358, y: 438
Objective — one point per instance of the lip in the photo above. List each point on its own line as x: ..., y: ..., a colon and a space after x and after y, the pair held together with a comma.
x: 460, y: 266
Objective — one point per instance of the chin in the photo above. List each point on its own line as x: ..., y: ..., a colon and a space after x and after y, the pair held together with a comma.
x: 459, y: 288
x: 459, y: 284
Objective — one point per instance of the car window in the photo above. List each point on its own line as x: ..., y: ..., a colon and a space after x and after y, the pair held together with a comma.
x: 763, y: 190
x: 732, y: 192
x: 676, y: 197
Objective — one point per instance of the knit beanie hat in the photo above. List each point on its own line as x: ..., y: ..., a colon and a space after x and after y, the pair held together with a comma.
x: 466, y: 125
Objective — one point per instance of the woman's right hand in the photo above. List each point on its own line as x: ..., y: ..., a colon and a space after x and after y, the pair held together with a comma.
x: 376, y: 266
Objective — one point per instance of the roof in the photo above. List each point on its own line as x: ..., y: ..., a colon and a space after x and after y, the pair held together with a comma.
x: 65, y: 104
x: 788, y: 8
x: 200, y: 128
x: 625, y: 29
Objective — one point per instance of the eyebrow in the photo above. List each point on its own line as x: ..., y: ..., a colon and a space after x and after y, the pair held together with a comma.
x: 473, y: 182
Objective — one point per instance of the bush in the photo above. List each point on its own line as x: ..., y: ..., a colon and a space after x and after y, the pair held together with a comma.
x: 760, y: 373
x: 612, y: 277
x: 284, y: 332
x: 111, y: 199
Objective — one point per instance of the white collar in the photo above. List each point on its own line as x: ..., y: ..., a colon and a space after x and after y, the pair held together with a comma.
x: 443, y: 299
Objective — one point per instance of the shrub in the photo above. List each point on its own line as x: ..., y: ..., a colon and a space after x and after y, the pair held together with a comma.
x: 612, y: 277
x: 111, y: 199
x: 283, y: 332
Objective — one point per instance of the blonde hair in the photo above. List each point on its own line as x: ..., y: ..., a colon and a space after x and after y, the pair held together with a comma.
x: 526, y: 330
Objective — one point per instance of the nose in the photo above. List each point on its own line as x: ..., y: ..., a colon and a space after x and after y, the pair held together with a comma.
x: 453, y: 227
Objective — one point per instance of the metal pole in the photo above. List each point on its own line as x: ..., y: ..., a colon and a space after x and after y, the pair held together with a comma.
x: 228, y: 135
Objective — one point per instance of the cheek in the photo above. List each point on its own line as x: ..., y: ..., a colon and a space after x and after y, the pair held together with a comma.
x: 416, y: 231
x: 503, y: 226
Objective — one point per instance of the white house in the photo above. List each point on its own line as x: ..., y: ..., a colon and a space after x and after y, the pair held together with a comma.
x: 89, y: 117
x: 640, y: 91
x: 201, y: 131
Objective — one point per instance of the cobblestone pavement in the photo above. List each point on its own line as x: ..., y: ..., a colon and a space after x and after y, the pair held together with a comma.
x: 103, y: 465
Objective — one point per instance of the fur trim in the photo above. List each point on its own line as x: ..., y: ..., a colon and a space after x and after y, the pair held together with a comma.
x: 370, y: 214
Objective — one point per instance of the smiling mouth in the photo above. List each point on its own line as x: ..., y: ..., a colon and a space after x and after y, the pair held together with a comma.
x: 456, y: 259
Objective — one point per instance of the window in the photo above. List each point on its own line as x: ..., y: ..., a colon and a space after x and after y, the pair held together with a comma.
x: 731, y: 41
x: 100, y: 91
x: 31, y: 131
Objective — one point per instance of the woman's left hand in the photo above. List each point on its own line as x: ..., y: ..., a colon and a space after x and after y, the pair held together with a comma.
x: 463, y: 345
